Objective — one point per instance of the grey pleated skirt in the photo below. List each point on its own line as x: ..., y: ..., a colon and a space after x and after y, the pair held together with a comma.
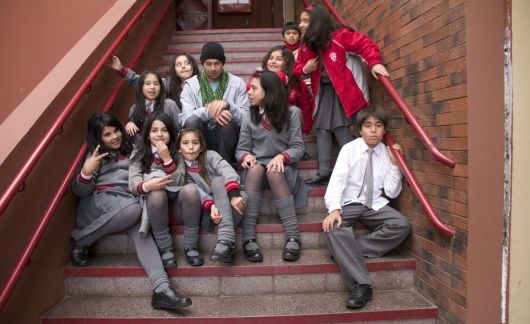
x: 330, y: 113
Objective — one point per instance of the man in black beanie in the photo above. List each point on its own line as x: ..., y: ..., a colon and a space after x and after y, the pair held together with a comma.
x: 214, y: 102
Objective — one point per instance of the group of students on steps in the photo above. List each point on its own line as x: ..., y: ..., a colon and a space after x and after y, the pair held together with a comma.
x: 175, y: 158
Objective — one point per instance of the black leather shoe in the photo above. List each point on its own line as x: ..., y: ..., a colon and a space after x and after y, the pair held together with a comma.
x: 291, y: 254
x: 169, y: 299
x: 319, y: 179
x: 194, y: 260
x: 79, y: 254
x: 359, y: 296
x: 252, y: 255
x: 226, y: 256
x: 169, y: 261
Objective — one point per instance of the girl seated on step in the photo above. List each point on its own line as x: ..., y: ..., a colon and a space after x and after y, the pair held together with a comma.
x: 106, y: 206
x: 150, y: 99
x: 279, y: 58
x: 270, y: 144
x: 218, y: 179
x: 158, y: 175
x: 183, y: 68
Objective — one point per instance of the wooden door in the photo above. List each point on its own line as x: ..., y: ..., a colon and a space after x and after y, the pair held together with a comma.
x: 264, y: 14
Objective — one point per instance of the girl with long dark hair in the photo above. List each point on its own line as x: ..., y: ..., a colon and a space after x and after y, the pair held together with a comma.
x: 183, y: 68
x: 150, y: 99
x: 107, y: 206
x: 158, y: 174
x: 220, y: 182
x: 323, y: 57
x: 270, y: 144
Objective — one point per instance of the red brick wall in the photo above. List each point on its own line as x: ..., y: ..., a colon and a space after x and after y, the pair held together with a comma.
x: 424, y: 48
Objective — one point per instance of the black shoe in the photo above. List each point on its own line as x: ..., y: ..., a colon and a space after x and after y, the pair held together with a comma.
x: 319, y: 179
x: 79, y: 254
x: 169, y: 261
x: 305, y: 157
x: 292, y: 254
x: 252, y: 255
x: 359, y: 296
x: 194, y: 260
x: 169, y: 299
x: 227, y: 256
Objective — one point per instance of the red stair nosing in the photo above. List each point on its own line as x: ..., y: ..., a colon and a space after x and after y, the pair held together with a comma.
x: 227, y: 31
x: 227, y: 48
x: 249, y: 59
x: 244, y: 270
x: 226, y: 38
x: 345, y: 317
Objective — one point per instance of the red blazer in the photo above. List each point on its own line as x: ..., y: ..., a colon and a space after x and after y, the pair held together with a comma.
x: 301, y: 97
x: 334, y: 59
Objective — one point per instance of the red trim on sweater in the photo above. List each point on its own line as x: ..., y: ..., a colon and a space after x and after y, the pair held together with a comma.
x: 85, y: 181
x: 207, y: 204
x: 266, y: 125
x: 286, y: 157
x: 243, y: 157
x: 171, y: 167
x: 139, y: 188
x: 231, y: 185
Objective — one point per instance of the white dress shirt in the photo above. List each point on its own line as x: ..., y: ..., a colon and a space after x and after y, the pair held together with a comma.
x: 347, y: 177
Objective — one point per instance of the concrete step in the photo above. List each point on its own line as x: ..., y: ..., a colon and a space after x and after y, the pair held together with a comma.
x: 233, y: 42
x: 225, y: 38
x: 207, y: 34
x: 393, y: 306
x: 269, y: 229
x: 230, y: 52
x: 121, y: 275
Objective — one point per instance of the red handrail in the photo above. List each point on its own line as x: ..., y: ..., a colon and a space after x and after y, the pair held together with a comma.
x: 7, y: 288
x: 35, y: 156
x: 414, y: 185
x: 405, y: 110
x: 418, y: 191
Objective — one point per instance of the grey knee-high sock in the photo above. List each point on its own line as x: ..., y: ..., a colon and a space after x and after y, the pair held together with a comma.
x: 251, y: 217
x: 225, y: 231
x: 343, y: 135
x: 286, y: 210
x: 147, y: 254
x: 159, y: 281
x: 324, y: 151
x: 191, y: 237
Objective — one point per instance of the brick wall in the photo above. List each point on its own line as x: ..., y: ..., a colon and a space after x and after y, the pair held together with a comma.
x: 423, y: 46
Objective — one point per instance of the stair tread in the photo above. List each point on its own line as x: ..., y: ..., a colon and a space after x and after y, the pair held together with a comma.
x: 311, y: 261
x: 291, y: 308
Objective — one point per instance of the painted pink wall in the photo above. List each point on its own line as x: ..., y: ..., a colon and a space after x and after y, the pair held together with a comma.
x: 35, y: 35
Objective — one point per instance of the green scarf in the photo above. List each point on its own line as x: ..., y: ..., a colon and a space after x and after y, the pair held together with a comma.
x: 206, y: 90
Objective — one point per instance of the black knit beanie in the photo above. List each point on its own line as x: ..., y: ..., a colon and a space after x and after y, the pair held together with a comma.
x: 213, y: 50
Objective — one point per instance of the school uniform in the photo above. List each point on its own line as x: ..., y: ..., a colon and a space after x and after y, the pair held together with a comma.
x: 103, y: 195
x: 299, y: 95
x: 347, y: 194
x: 224, y: 184
x: 170, y: 108
x: 334, y: 60
x: 264, y: 142
x: 176, y: 170
x: 131, y: 78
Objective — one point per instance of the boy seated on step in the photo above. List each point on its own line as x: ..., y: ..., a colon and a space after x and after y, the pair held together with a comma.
x: 363, y: 179
x: 291, y: 36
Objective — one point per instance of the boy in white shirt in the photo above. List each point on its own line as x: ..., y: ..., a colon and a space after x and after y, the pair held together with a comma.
x: 358, y: 191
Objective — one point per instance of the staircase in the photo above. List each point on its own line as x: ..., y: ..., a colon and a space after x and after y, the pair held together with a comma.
x: 115, y: 289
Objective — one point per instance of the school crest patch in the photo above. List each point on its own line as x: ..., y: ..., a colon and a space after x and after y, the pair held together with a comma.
x: 333, y: 56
